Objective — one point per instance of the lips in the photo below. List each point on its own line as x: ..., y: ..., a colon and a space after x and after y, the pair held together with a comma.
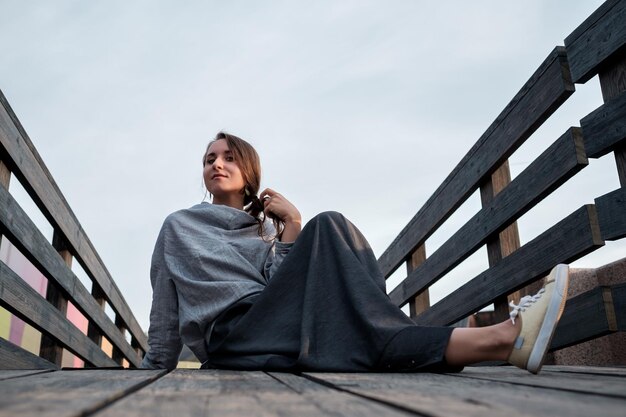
x: 218, y: 176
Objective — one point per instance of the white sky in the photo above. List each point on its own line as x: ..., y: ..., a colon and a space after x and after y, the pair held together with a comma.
x: 362, y: 107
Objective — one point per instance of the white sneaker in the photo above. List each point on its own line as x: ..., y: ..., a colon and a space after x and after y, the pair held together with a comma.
x: 541, y: 313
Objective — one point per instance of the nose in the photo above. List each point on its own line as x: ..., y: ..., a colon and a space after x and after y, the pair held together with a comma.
x: 218, y: 163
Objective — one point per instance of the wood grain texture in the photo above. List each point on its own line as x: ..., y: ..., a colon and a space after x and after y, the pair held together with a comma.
x: 69, y: 393
x: 562, y: 160
x: 605, y: 128
x: 455, y: 395
x: 28, y: 239
x: 611, y: 214
x: 619, y: 302
x: 237, y: 393
x: 26, y: 164
x: 26, y: 303
x: 421, y: 301
x: 542, y: 94
x: 18, y: 373
x: 613, y: 386
x: 14, y: 357
x: 584, y: 318
x: 596, y: 40
x: 570, y: 239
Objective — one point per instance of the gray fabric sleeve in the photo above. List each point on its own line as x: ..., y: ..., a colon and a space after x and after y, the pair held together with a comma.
x: 275, y: 257
x: 163, y: 337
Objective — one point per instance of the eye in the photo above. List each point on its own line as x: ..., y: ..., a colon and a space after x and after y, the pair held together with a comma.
x: 209, y: 161
x: 230, y: 158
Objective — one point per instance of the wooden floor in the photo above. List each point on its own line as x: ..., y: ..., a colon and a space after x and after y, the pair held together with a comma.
x: 483, y: 391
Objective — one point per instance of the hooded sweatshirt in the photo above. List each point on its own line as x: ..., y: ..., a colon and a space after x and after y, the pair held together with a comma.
x: 205, y: 259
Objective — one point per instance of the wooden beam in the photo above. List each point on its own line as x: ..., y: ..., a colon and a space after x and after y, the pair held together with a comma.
x: 15, y: 357
x: 421, y: 301
x: 562, y: 160
x: 596, y: 40
x: 500, y: 245
x: 49, y: 348
x: 568, y: 240
x: 605, y: 128
x: 542, y: 94
x: 20, y: 299
x: 613, y: 84
x: 611, y: 214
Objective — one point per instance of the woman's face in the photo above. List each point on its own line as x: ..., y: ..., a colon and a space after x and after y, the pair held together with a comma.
x: 222, y: 176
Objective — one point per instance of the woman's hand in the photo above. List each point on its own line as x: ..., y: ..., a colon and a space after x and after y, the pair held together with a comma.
x: 277, y: 206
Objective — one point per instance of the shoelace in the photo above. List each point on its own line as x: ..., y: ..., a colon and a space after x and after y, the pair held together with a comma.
x: 524, y: 303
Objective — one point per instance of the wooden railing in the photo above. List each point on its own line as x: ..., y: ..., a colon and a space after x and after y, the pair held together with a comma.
x: 596, y: 47
x: 19, y: 159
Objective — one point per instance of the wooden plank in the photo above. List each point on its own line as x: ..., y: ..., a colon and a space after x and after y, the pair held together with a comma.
x: 571, y: 238
x: 599, y: 37
x: 452, y: 395
x: 18, y: 373
x: 421, y: 302
x: 37, y: 180
x: 613, y: 386
x: 14, y: 357
x: 70, y: 393
x: 562, y: 160
x: 605, y: 128
x: 542, y: 94
x: 619, y: 302
x: 611, y: 214
x: 20, y: 299
x: 585, y: 317
x: 237, y: 393
x: 28, y: 239
x: 591, y: 370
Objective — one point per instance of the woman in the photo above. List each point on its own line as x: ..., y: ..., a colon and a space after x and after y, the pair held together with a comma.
x: 244, y: 292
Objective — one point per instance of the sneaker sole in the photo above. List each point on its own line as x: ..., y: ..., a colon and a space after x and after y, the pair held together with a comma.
x: 553, y: 314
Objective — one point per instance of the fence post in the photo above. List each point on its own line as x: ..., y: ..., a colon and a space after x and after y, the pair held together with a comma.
x: 421, y: 302
x: 613, y: 83
x: 504, y: 243
x: 49, y: 348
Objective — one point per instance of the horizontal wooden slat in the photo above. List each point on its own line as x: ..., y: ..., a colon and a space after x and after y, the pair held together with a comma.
x: 28, y: 239
x: 14, y: 357
x: 605, y: 128
x: 551, y: 169
x: 571, y: 238
x: 584, y: 318
x: 26, y: 164
x: 542, y: 94
x: 596, y: 39
x: 611, y: 214
x: 26, y: 303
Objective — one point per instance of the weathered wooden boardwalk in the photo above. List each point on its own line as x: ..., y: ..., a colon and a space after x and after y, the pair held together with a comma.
x: 479, y: 391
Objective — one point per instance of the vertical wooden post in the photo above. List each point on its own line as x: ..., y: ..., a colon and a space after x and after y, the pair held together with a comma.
x: 504, y: 243
x: 613, y: 83
x: 421, y: 302
x: 49, y: 348
x: 92, y: 331
x: 5, y: 179
x: 118, y: 356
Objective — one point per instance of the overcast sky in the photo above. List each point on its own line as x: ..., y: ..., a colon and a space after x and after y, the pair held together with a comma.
x: 358, y: 106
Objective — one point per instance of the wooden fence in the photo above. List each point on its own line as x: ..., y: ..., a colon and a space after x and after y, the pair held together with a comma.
x: 596, y: 47
x: 19, y: 159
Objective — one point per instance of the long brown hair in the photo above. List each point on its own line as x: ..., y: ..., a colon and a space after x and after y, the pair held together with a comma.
x: 248, y: 161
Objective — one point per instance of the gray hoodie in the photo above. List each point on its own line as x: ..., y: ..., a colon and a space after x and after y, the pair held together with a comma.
x: 205, y: 259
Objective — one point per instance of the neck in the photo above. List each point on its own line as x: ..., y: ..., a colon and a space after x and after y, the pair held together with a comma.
x: 230, y: 201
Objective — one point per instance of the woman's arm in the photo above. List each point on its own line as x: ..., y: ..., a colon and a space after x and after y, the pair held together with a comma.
x: 163, y: 336
x: 276, y: 205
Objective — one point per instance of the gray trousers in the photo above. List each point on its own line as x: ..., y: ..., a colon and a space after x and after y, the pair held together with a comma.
x: 325, y: 309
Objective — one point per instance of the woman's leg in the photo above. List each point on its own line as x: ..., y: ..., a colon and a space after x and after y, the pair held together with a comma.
x: 478, y: 344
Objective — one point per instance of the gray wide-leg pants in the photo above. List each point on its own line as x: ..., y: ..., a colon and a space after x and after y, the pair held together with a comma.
x: 325, y: 309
